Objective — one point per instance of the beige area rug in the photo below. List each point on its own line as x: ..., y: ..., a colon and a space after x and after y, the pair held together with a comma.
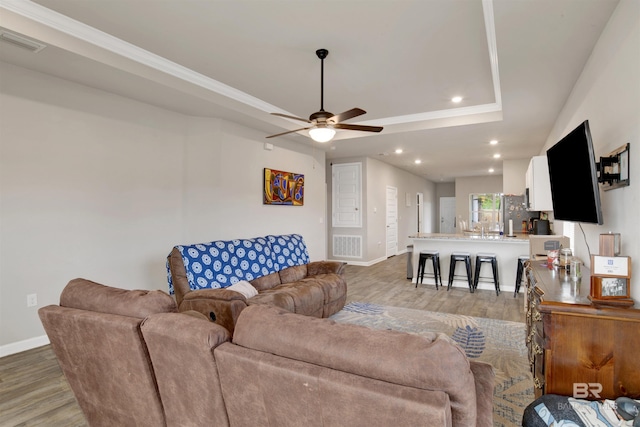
x: 498, y: 342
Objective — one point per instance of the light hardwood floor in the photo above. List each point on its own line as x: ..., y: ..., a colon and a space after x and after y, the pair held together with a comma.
x: 386, y: 283
x: 33, y: 391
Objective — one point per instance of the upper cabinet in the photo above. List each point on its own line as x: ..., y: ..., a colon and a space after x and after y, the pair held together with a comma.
x: 538, y: 187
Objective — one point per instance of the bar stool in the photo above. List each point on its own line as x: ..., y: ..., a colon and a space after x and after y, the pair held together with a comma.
x: 521, y: 260
x: 460, y: 256
x: 422, y: 261
x: 491, y: 258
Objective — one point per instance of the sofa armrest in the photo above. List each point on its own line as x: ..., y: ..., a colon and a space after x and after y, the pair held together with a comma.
x: 222, y: 306
x: 325, y: 267
x: 215, y: 294
x: 181, y: 351
x: 484, y: 377
x: 178, y: 275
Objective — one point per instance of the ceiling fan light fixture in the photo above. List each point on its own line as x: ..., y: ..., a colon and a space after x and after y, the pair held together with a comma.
x: 322, y: 134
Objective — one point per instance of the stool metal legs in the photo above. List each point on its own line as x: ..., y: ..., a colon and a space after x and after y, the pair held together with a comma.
x: 494, y: 268
x: 452, y: 270
x: 435, y: 260
x: 521, y: 261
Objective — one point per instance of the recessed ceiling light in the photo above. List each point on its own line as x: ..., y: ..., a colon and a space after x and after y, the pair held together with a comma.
x: 490, y: 170
x: 456, y: 99
x: 418, y: 161
x: 496, y: 156
x: 493, y: 142
x: 398, y: 150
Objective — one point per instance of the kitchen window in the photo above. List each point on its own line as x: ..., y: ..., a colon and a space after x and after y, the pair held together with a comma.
x: 485, y: 208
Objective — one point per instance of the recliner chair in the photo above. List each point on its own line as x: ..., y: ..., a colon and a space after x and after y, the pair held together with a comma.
x: 95, y: 335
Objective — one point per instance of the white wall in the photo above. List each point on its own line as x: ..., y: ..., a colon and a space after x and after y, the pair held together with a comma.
x: 608, y: 95
x: 97, y: 186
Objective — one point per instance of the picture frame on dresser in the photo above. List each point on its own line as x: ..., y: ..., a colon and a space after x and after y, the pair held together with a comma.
x: 610, y: 281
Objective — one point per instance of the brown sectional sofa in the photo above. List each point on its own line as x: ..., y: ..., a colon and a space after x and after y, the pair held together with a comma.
x: 131, y: 359
x: 315, y: 289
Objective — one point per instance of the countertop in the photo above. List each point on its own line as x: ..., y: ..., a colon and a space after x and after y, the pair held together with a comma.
x: 518, y: 238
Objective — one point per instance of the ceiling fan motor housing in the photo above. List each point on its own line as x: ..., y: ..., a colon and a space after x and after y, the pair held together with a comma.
x: 320, y: 116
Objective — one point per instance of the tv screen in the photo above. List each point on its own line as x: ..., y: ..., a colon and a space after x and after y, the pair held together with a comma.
x: 574, y: 181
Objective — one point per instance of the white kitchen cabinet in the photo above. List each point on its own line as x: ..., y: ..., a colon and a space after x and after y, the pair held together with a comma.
x: 538, y: 187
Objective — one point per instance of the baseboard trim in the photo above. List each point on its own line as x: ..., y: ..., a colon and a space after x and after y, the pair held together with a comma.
x: 20, y: 346
x: 361, y: 263
x: 368, y: 263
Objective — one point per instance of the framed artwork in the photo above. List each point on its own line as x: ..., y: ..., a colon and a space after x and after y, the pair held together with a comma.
x: 283, y: 188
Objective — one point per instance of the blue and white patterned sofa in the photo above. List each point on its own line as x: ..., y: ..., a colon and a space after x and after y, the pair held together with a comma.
x: 212, y: 277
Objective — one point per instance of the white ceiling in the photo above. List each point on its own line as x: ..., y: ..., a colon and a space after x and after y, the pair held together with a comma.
x: 513, y: 61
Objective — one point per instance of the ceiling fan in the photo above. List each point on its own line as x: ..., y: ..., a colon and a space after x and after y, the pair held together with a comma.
x: 323, y: 123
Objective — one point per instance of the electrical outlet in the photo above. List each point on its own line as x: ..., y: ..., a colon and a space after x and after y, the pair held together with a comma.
x: 32, y: 300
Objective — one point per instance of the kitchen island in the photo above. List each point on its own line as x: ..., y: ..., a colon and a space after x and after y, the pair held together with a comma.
x: 507, y: 250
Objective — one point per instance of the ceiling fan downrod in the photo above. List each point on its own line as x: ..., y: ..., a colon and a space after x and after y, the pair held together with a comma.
x: 322, y: 53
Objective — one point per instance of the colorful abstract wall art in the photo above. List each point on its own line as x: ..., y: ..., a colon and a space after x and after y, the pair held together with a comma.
x: 283, y: 188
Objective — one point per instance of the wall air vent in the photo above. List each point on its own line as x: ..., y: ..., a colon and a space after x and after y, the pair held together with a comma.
x: 347, y: 246
x: 21, y: 41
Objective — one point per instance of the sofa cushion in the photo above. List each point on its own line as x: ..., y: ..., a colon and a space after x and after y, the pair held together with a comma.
x: 306, y: 298
x: 266, y: 282
x: 293, y: 274
x: 430, y: 362
x: 222, y: 263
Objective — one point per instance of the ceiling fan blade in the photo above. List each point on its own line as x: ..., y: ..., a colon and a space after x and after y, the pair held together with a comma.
x: 358, y: 127
x: 291, y: 117
x: 289, y: 131
x: 354, y: 112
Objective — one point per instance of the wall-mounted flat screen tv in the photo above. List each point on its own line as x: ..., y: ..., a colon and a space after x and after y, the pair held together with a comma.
x: 574, y: 181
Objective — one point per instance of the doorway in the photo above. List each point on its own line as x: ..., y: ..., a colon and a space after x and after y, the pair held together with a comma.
x: 392, y: 221
x: 447, y: 215
x: 346, y: 195
x: 420, y: 206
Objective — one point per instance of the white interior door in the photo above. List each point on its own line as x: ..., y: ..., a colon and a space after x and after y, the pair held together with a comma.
x: 347, y: 195
x: 420, y: 205
x: 392, y: 221
x: 447, y: 215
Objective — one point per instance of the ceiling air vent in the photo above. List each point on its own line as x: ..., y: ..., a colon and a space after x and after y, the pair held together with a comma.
x: 21, y: 41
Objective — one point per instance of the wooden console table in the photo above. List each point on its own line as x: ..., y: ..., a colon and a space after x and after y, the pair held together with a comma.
x: 570, y: 341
